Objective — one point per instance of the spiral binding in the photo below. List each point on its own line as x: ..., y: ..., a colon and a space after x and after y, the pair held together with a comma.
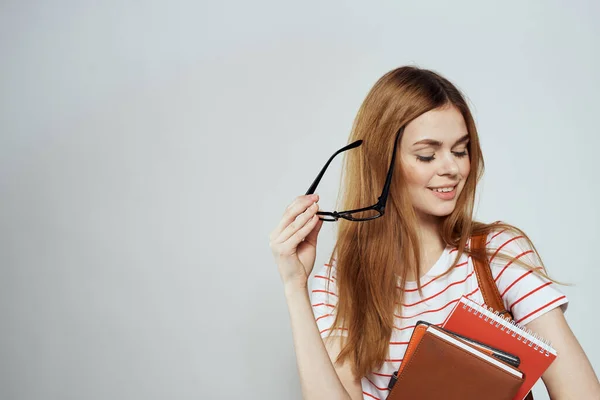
x: 526, y: 336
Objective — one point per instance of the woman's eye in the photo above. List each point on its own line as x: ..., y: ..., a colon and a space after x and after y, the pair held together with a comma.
x: 460, y: 154
x: 425, y: 159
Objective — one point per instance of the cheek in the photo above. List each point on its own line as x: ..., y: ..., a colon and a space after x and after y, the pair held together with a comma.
x: 465, y: 168
x: 409, y: 174
x: 417, y: 175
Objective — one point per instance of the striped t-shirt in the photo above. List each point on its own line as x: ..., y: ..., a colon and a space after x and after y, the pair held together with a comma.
x: 525, y: 294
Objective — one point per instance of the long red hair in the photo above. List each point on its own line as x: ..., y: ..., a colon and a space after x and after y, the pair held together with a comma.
x: 372, y: 257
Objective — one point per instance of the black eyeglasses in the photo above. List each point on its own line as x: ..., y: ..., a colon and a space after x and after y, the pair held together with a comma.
x: 360, y: 214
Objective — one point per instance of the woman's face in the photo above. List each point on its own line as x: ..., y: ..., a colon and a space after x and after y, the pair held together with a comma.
x: 428, y: 164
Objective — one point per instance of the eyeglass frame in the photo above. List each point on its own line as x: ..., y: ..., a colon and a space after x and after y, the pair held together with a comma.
x: 381, y: 201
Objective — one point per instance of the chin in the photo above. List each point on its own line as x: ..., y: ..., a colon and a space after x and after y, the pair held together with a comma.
x: 440, y: 211
x: 443, y: 213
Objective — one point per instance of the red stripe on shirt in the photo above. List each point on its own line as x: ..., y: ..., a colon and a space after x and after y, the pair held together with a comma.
x: 422, y: 286
x: 504, y: 244
x: 473, y: 292
x: 324, y: 277
x: 323, y: 316
x: 393, y: 360
x: 323, y: 304
x: 324, y: 291
x: 529, y: 294
x: 329, y: 329
x: 371, y: 396
x: 378, y: 388
x: 412, y: 326
x: 541, y: 308
x: 492, y: 238
x: 427, y: 311
x: 403, y: 329
x: 510, y: 262
x: 440, y: 292
x: 516, y: 280
x: 467, y: 296
x: 384, y: 375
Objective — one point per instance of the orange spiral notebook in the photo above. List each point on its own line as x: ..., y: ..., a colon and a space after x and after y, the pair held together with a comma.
x: 477, y: 322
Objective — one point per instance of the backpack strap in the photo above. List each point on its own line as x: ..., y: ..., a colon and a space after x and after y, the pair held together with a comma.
x: 487, y: 285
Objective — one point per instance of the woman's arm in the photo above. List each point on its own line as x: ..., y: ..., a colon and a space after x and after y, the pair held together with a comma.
x: 318, y: 377
x: 571, y: 375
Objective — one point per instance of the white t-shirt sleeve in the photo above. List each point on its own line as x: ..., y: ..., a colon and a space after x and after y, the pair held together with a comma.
x: 324, y: 299
x: 526, y: 294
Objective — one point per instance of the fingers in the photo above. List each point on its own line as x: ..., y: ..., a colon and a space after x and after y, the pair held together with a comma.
x: 314, y: 233
x: 298, y: 206
x: 298, y: 230
x: 306, y: 199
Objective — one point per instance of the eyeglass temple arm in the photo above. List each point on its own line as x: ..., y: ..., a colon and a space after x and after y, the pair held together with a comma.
x: 388, y: 180
x: 314, y: 185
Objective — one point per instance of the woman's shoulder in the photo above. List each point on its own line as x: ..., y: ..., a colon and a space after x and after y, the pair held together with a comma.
x: 496, y: 234
x: 520, y: 274
x: 508, y: 238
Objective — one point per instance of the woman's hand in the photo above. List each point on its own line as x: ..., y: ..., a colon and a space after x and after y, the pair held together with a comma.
x: 294, y: 241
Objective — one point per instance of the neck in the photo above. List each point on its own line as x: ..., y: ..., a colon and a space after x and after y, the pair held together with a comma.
x: 429, y: 235
x: 430, y: 241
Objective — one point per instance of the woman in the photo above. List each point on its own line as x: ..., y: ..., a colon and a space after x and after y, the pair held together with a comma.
x: 413, y: 262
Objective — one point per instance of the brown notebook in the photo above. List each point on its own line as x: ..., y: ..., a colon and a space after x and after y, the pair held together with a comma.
x: 438, y: 365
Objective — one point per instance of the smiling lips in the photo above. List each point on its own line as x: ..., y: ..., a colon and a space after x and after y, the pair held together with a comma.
x: 444, y: 193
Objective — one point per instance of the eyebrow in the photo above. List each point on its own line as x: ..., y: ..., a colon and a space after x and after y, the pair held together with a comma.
x: 437, y: 143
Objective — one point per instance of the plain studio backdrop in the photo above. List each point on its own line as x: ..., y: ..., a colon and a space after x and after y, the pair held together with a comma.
x: 147, y: 150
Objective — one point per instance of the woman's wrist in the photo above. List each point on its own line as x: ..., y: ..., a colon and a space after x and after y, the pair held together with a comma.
x: 295, y: 289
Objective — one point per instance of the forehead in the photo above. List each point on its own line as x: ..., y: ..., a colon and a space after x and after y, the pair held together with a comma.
x: 442, y: 124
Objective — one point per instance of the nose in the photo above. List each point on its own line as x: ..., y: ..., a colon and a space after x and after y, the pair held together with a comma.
x: 449, y: 165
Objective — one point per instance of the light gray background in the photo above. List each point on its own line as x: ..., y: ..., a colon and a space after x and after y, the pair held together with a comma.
x: 147, y: 150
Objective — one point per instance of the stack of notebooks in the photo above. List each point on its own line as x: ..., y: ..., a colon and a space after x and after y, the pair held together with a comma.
x: 475, y: 354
